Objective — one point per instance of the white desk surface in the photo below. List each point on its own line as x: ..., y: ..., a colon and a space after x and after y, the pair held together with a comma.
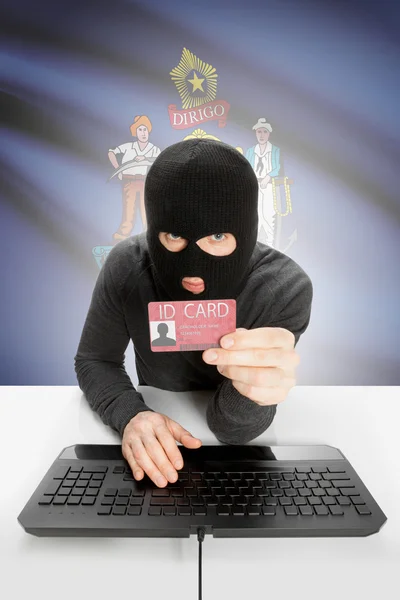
x: 363, y: 422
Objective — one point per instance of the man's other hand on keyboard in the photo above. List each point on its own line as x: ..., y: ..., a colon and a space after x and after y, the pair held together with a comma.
x: 149, y: 446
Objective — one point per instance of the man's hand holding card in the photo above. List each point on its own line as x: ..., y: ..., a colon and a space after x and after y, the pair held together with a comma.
x: 260, y: 362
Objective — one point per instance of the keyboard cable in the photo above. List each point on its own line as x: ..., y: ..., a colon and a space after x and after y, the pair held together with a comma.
x: 200, y: 536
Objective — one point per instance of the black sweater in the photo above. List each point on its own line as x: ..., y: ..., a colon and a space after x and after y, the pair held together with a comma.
x: 278, y: 294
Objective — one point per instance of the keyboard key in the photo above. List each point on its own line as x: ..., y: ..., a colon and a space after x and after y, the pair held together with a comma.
x: 52, y: 488
x: 138, y: 493
x: 184, y: 511
x: 330, y: 476
x: 73, y: 500
x: 61, y: 473
x: 124, y: 492
x: 256, y: 501
x: 315, y: 476
x: 88, y: 501
x: 337, y: 469
x: 169, y: 511
x: 332, y: 492
x: 262, y: 475
x: 104, y: 510
x: 325, y: 484
x: 319, y: 492
x: 72, y: 476
x: 136, y: 501
x: 356, y: 499
x: 81, y: 484
x: 78, y: 492
x: 200, y: 510
x: 291, y: 510
x: 284, y: 485
x: 277, y: 493
x: 134, y: 511
x: 119, y: 510
x: 108, y: 501
x: 121, y: 501
x: 321, y: 510
x: 95, y: 484
x: 275, y: 477
x: 45, y: 500
x: 98, y: 476
x: 240, y: 500
x: 238, y: 510
x: 183, y: 502
x: 64, y: 491
x: 270, y: 502
x: 285, y: 501
x: 76, y: 469
x: 253, y: 511
x: 330, y: 500
x: 91, y: 492
x: 305, y: 492
x: 297, y: 484
x: 268, y: 510
x: 289, y: 476
x: 303, y: 469
x: 59, y: 500
x: 312, y: 501
x: 162, y: 502
x: 119, y: 470
x: 301, y: 476
x: 247, y: 475
x: 311, y: 484
x: 197, y: 502
x: 319, y: 469
x: 154, y: 511
x: 349, y: 491
x: 211, y: 501
x: 223, y: 510
x: 307, y: 511
x: 85, y: 476
x: 363, y: 510
x: 111, y: 492
x: 300, y: 501
x: 198, y: 477
x: 96, y: 470
x: 336, y: 510
x: 339, y: 483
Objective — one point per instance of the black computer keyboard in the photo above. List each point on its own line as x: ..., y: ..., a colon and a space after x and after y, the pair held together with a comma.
x: 307, y: 491
x: 229, y: 491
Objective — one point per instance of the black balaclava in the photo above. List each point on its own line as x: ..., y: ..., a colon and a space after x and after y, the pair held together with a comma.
x: 197, y: 188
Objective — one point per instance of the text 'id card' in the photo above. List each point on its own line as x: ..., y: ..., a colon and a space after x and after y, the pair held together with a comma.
x: 190, y: 325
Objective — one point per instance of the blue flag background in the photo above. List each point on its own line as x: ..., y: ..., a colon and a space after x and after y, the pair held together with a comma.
x: 325, y: 76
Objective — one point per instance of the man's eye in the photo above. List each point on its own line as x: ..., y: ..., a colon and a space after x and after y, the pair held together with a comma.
x: 218, y: 234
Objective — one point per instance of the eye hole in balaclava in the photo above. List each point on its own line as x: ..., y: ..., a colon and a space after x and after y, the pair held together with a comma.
x: 194, y: 189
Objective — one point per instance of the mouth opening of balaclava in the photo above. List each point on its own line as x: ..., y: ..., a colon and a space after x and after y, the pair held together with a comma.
x: 194, y: 189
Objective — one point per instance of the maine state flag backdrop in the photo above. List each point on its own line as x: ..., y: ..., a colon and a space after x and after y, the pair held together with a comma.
x: 93, y: 91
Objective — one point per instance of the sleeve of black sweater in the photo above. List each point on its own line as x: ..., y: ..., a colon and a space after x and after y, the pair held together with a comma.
x: 232, y: 417
x: 100, y: 366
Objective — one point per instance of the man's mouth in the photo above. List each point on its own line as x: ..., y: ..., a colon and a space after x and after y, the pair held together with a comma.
x: 193, y: 284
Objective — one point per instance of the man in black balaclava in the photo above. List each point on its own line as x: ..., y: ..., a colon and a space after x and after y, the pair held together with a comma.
x: 197, y: 188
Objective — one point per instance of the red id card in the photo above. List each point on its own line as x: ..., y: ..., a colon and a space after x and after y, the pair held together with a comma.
x: 190, y: 324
